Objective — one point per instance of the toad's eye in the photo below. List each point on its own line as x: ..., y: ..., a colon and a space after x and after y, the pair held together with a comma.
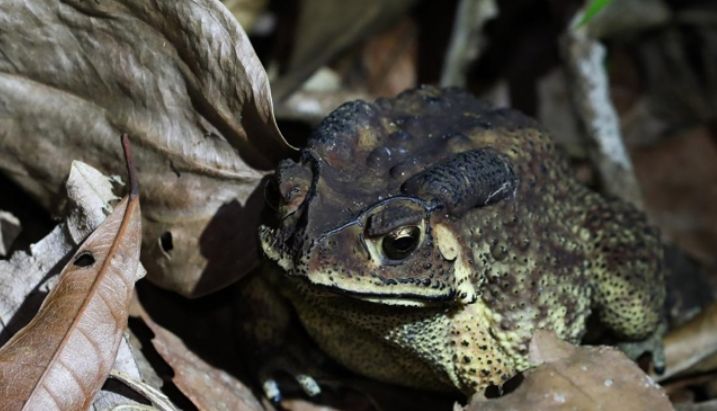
x: 401, y: 242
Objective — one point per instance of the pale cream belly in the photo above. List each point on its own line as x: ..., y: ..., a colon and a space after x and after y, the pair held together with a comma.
x: 456, y: 348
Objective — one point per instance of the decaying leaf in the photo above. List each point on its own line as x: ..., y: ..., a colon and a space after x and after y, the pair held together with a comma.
x: 690, y: 347
x: 389, y: 59
x: 127, y: 363
x: 246, y: 11
x: 10, y: 228
x: 302, y: 404
x: 621, y: 17
x: 158, y: 399
x: 326, y: 28
x: 679, y: 179
x: 312, y: 106
x: 578, y: 378
x: 182, y: 78
x: 62, y: 357
x: 208, y: 388
x: 137, y: 407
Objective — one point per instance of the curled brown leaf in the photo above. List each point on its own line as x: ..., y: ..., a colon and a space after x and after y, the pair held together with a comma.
x: 62, y: 357
x: 692, y: 347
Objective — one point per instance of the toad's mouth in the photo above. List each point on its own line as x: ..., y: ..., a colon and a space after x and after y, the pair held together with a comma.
x: 387, y: 294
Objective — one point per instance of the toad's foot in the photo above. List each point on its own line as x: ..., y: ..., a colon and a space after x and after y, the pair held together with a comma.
x: 290, y: 366
x: 652, y: 344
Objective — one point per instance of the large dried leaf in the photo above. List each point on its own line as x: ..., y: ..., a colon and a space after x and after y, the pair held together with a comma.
x: 579, y: 378
x: 182, y: 78
x: 62, y: 357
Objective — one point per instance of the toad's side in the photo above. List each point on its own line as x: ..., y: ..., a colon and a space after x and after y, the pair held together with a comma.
x: 424, y: 238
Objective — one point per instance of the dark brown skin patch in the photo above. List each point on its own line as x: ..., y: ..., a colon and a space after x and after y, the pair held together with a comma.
x: 543, y: 254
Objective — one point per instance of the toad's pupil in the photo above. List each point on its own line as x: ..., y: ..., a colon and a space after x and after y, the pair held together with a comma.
x: 399, y: 244
x: 404, y: 243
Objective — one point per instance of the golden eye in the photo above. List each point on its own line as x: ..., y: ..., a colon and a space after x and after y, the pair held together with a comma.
x: 401, y: 242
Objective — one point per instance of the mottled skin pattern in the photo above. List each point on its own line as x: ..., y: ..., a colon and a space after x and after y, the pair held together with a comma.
x: 520, y: 246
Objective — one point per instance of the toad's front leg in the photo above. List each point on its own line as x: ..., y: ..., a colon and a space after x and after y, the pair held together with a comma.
x: 272, y: 348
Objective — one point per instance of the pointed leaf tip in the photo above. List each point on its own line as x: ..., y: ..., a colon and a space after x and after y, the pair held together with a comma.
x: 131, y: 168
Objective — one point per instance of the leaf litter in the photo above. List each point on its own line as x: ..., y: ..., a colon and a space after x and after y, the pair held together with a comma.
x: 183, y: 80
x: 172, y: 242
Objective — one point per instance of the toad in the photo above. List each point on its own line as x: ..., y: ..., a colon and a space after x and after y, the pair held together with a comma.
x: 423, y: 239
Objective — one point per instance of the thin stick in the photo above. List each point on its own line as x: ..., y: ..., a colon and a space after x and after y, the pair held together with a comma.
x: 467, y: 39
x: 584, y: 60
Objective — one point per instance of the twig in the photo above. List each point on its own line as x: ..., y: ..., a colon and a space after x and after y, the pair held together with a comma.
x: 466, y: 40
x: 584, y: 57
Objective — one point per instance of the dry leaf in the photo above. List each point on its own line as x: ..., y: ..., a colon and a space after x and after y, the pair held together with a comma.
x: 127, y: 364
x: 311, y: 106
x: 62, y: 357
x: 579, y: 378
x: 621, y: 17
x: 246, y: 11
x: 155, y: 396
x: 678, y: 177
x: 328, y: 27
x: 302, y: 404
x: 208, y: 388
x: 182, y: 78
x: 689, y: 347
x: 10, y: 228
x: 134, y: 407
x: 390, y: 58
